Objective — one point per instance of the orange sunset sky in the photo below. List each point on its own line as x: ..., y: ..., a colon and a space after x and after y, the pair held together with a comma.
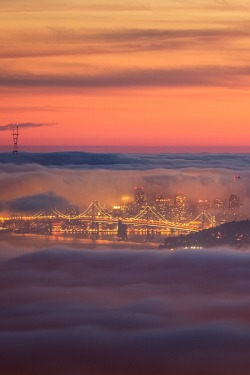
x: 121, y: 72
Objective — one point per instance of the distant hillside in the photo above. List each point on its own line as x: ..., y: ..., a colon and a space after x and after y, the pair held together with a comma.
x: 236, y: 233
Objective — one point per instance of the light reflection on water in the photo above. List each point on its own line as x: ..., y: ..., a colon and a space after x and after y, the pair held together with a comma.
x: 18, y: 244
x: 84, y: 241
x: 104, y: 237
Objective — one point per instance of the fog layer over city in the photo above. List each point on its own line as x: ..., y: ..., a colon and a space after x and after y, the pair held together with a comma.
x: 112, y: 311
x: 199, y: 176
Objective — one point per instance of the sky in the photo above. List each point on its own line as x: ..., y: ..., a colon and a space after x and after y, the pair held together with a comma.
x: 125, y: 73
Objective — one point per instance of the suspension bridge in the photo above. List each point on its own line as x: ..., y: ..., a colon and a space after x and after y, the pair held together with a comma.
x: 95, y: 215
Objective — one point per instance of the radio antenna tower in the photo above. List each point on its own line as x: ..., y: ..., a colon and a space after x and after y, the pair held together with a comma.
x: 15, y: 134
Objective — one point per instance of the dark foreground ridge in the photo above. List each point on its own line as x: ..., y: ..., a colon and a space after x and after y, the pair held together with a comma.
x: 236, y: 233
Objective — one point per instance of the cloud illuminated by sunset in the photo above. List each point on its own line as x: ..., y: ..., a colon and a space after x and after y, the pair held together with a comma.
x: 155, y: 73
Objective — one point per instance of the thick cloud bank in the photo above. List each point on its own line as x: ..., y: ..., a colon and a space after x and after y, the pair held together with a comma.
x: 99, y: 312
x: 85, y: 160
x: 37, y: 202
x: 33, y: 181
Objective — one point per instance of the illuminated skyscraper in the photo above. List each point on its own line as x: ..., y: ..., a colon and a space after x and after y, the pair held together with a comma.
x: 139, y: 195
x: 219, y: 204
x: 117, y: 211
x: 180, y: 208
x: 234, y: 202
x: 165, y: 206
x: 203, y: 205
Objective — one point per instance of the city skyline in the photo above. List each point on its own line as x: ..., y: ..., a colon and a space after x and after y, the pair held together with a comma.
x: 124, y: 187
x: 136, y: 219
x: 145, y: 215
x: 104, y: 73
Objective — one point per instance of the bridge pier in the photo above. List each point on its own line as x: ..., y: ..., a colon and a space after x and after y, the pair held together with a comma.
x: 150, y: 235
x: 122, y: 231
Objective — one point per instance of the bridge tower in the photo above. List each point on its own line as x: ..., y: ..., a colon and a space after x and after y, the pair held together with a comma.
x: 94, y: 223
x: 149, y: 231
x: 15, y: 134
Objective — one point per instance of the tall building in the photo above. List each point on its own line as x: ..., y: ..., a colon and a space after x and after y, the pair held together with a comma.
x: 180, y: 207
x: 203, y: 205
x: 219, y: 204
x: 234, y: 202
x: 139, y: 195
x: 164, y: 206
x: 117, y: 211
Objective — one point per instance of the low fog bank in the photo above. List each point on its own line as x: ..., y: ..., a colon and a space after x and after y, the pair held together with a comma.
x: 132, y: 161
x: 119, y: 161
x: 104, y: 311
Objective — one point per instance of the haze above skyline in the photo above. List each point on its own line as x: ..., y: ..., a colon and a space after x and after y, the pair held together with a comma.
x: 141, y: 73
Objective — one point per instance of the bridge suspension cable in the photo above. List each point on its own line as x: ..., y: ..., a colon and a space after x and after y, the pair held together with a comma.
x: 152, y: 210
x: 102, y: 210
x: 39, y: 213
x: 208, y: 216
x: 87, y: 213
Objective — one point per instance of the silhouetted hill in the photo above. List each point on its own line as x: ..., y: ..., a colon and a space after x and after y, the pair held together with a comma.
x: 236, y: 233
